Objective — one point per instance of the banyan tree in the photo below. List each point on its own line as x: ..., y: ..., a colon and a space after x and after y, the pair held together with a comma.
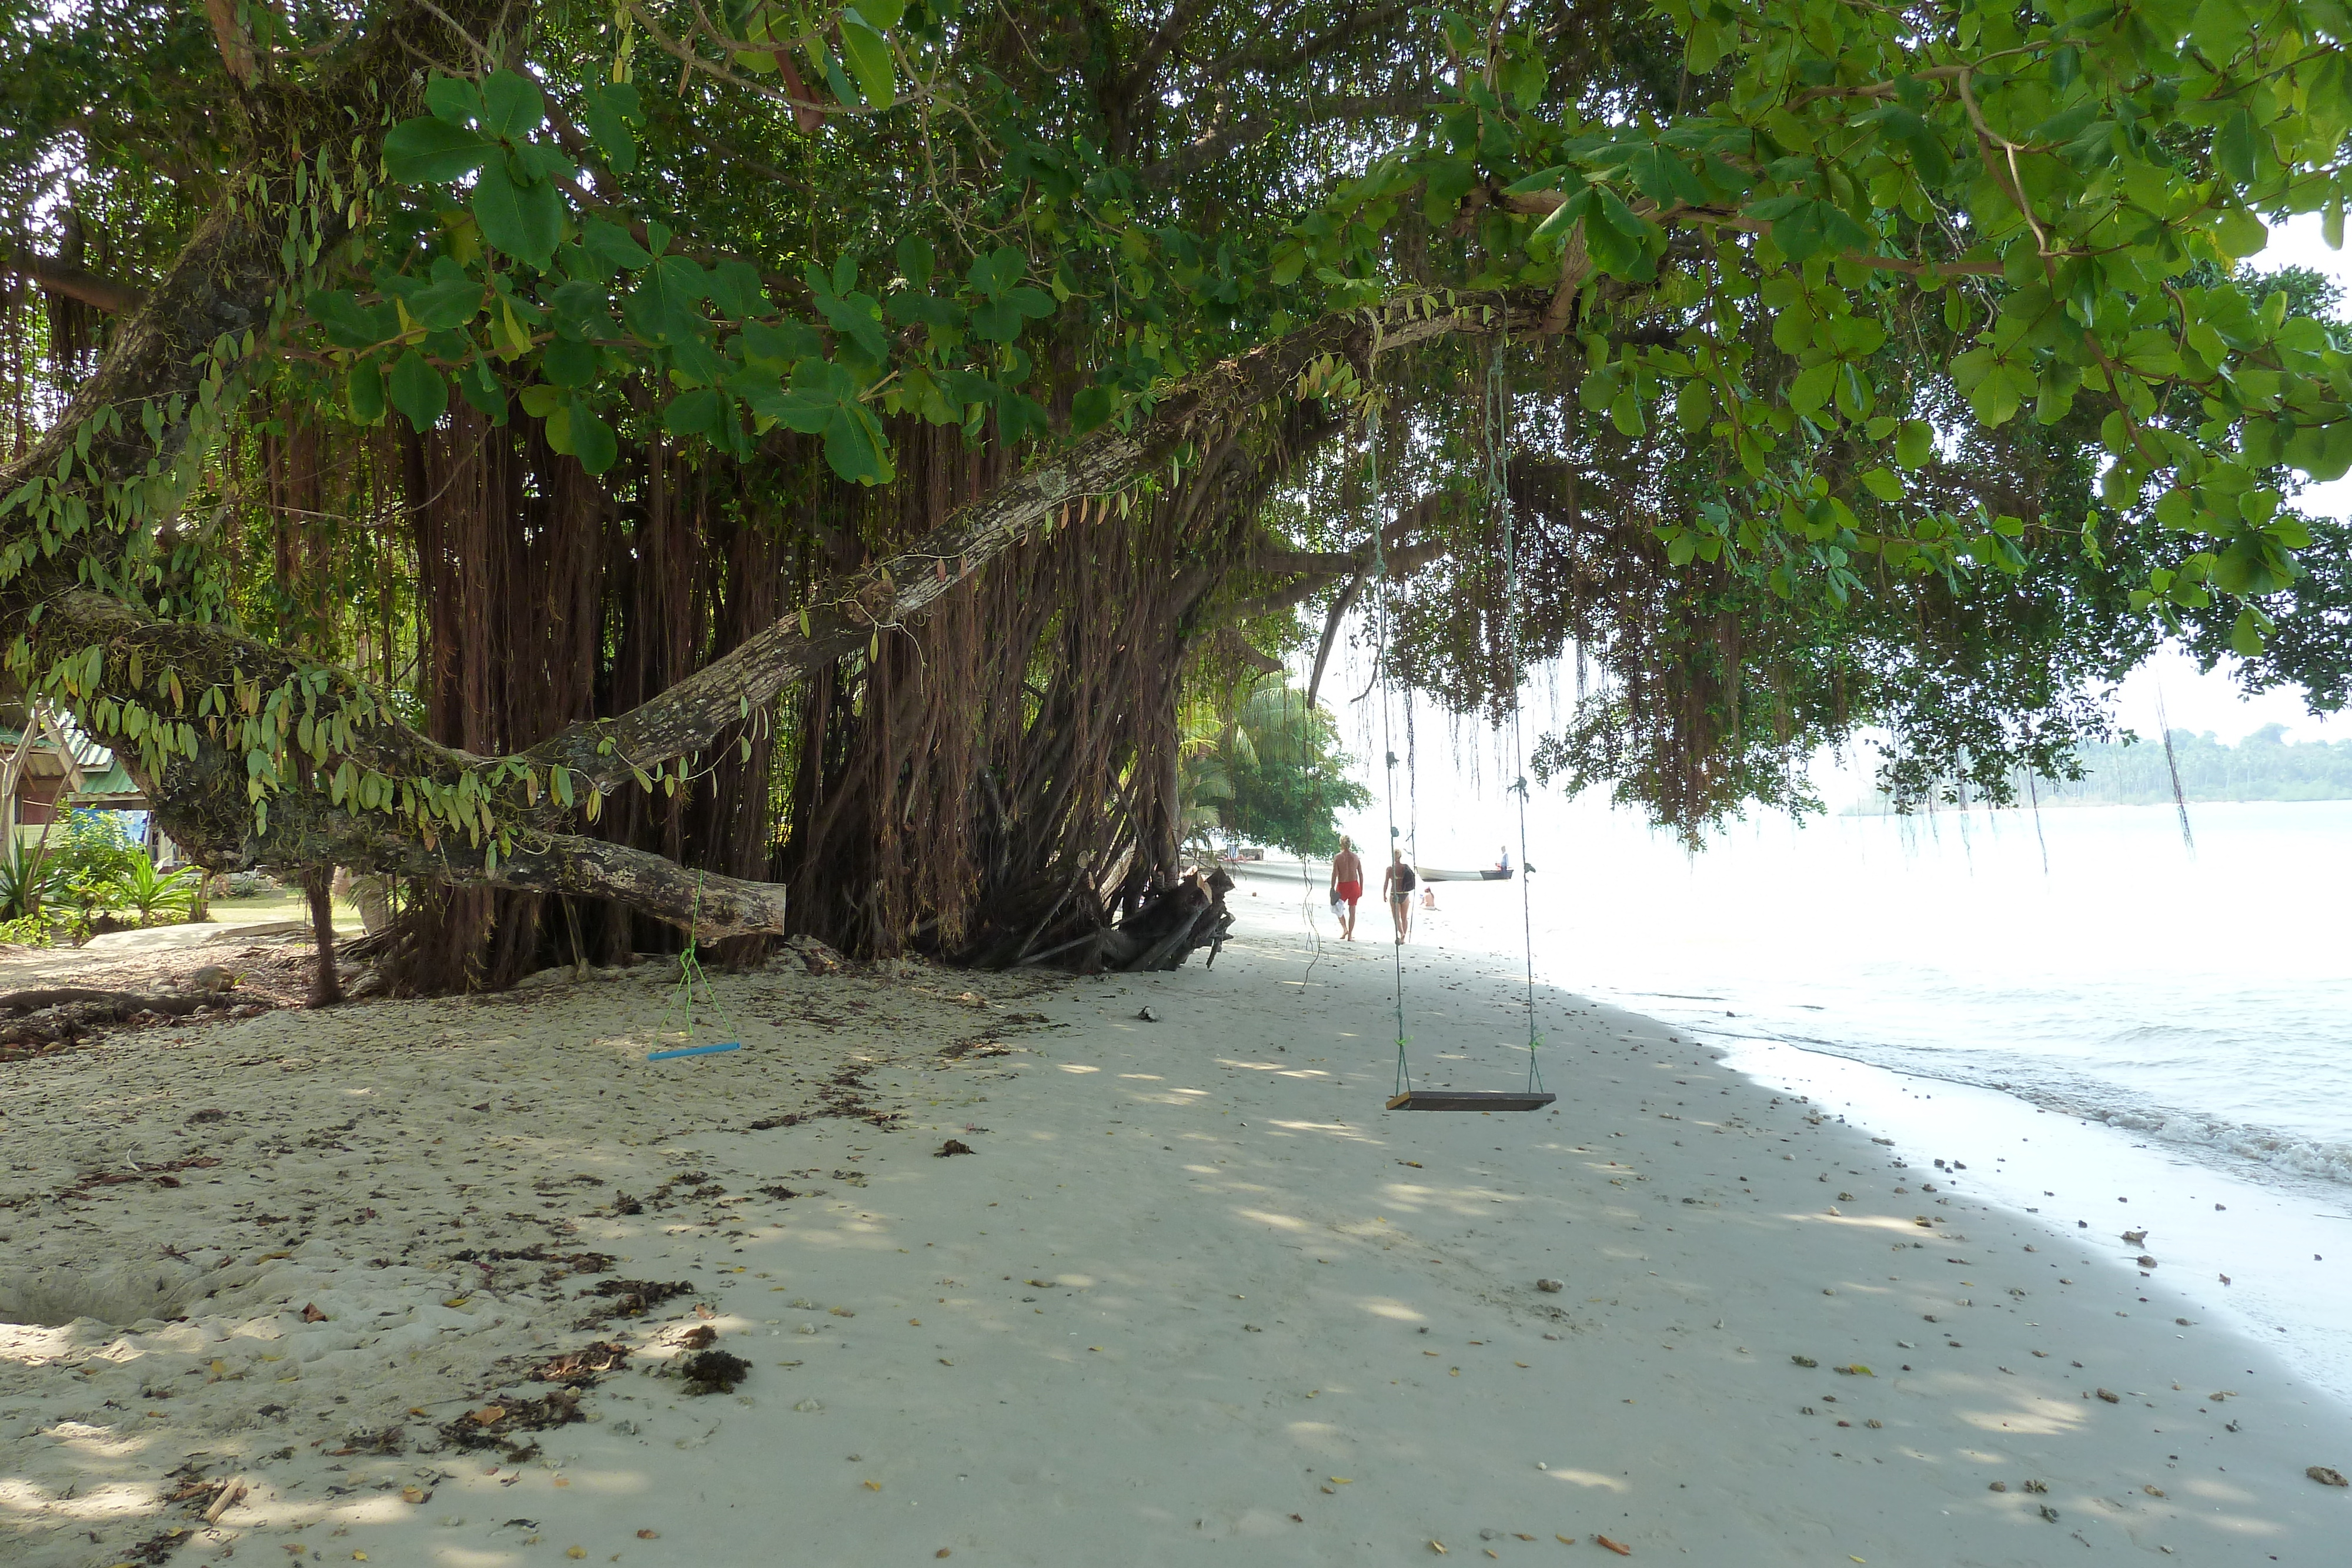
x: 763, y: 468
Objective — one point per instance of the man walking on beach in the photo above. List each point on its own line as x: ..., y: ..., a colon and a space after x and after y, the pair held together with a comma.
x: 1346, y: 884
x: 1398, y: 883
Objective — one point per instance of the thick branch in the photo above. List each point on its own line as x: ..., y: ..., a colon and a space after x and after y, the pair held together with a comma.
x: 100, y: 293
x: 689, y: 716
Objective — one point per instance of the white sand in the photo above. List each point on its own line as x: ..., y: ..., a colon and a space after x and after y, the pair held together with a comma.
x: 1197, y: 1294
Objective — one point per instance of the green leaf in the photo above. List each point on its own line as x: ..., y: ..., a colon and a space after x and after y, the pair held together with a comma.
x: 693, y: 413
x: 736, y: 289
x: 452, y: 100
x: 419, y: 392
x: 348, y: 323
x: 1620, y: 216
x: 1562, y: 218
x: 1812, y: 387
x: 1693, y: 405
x: 512, y: 106
x: 856, y: 448
x: 567, y: 363
x: 524, y: 221
x: 610, y: 110
x: 433, y: 152
x: 867, y: 55
x: 1091, y: 408
x: 539, y: 402
x: 364, y: 392
x: 592, y: 440
x: 996, y: 273
x: 999, y: 321
x: 452, y: 299
x: 611, y: 244
x: 2233, y: 148
x: 2240, y: 233
x: 1883, y: 485
x: 481, y: 387
x: 916, y: 262
x: 1801, y: 233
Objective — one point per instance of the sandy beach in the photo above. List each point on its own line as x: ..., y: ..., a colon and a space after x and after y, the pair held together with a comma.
x: 423, y: 1283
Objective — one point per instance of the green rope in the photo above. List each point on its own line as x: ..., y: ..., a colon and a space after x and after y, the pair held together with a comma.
x: 690, y: 970
x: 1498, y: 488
x: 1381, y: 653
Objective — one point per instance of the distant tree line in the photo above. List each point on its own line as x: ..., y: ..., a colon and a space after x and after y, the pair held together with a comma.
x: 2265, y: 766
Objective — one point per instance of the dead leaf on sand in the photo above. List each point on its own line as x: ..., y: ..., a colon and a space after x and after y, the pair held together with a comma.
x: 488, y: 1415
x: 312, y: 1314
x: 1622, y: 1550
x: 648, y: 1535
x: 953, y: 1147
x: 2327, y: 1476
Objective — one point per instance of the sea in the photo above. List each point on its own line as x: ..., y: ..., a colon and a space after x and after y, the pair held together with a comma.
x: 2116, y: 1019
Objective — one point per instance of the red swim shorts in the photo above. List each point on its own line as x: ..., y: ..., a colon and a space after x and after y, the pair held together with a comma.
x: 1351, y: 891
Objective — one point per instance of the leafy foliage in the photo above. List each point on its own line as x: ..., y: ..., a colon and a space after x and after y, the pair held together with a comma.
x: 1860, y: 365
x: 1275, y: 772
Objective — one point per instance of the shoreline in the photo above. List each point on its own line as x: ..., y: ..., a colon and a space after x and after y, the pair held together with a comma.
x: 1195, y: 1293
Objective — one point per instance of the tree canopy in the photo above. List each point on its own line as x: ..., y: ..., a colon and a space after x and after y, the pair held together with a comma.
x: 762, y: 466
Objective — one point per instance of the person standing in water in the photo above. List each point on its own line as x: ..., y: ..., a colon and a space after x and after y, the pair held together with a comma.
x: 1398, y: 883
x: 1346, y: 884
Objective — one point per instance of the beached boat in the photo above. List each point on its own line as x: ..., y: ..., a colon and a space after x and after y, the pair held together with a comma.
x: 1439, y: 873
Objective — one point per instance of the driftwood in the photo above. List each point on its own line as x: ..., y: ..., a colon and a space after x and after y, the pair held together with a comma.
x: 1160, y: 934
x: 90, y: 1005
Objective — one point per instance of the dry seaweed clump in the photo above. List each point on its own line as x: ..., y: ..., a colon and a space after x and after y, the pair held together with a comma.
x: 713, y: 1372
x: 501, y: 1425
x: 580, y: 1368
x: 632, y: 1298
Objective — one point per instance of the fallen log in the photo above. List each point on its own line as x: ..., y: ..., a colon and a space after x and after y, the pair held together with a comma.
x: 1160, y: 935
x: 117, y: 1004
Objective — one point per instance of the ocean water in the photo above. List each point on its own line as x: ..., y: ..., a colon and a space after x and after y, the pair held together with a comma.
x: 2086, y: 961
x: 2111, y: 1028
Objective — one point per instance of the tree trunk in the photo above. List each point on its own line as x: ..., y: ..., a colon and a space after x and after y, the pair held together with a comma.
x: 326, y: 986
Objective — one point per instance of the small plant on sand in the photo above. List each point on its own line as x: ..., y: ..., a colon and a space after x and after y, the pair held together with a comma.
x: 152, y: 892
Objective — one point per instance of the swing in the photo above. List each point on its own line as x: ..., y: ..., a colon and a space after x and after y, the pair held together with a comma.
x: 1407, y: 1097
x: 690, y: 970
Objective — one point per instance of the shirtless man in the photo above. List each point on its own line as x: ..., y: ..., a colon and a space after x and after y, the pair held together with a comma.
x: 1346, y: 884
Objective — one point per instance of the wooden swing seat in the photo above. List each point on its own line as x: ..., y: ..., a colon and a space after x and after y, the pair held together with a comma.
x: 1468, y: 1100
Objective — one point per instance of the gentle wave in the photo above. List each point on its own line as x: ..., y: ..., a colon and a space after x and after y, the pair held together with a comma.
x: 2087, y: 1100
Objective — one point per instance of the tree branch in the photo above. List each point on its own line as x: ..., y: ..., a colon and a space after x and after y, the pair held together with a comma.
x: 101, y: 293
x: 686, y: 718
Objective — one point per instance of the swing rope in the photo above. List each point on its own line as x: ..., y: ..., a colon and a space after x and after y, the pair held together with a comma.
x: 1499, y: 410
x: 690, y: 970
x: 1388, y: 747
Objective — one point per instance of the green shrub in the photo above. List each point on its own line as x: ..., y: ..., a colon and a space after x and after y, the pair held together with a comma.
x: 94, y: 854
x: 29, y: 878
x: 152, y: 892
x: 46, y: 925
